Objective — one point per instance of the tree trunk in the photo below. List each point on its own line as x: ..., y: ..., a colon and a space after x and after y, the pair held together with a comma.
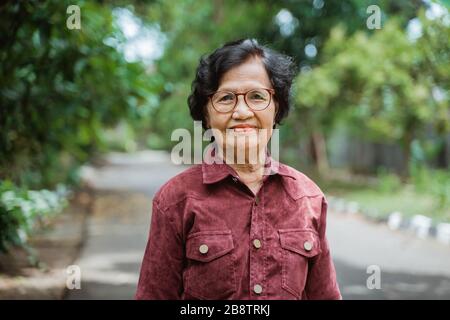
x: 319, y: 152
x: 407, y: 140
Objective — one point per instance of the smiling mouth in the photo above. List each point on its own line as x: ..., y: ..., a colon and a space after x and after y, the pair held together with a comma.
x: 244, y: 128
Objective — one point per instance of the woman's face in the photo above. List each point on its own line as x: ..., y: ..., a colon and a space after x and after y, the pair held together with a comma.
x: 243, y: 130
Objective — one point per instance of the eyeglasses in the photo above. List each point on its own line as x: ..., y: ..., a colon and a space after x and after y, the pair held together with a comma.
x: 256, y: 99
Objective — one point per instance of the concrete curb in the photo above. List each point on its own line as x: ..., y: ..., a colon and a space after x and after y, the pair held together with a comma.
x: 419, y: 225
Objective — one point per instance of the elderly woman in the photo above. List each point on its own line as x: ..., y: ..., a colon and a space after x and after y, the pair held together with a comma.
x: 250, y: 229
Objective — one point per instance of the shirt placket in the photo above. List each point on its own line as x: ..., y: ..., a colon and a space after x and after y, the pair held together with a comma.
x: 258, y: 287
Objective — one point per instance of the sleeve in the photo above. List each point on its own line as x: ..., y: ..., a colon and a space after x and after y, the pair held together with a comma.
x: 162, y: 266
x: 321, y: 283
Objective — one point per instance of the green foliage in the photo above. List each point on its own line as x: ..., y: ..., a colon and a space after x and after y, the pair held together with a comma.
x: 388, y: 182
x: 434, y: 182
x: 21, y: 210
x: 60, y: 88
x: 383, y: 85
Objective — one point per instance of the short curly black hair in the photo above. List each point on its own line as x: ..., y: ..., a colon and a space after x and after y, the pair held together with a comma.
x: 280, y: 69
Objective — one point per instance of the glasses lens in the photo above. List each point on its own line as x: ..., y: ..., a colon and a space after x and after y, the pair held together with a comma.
x: 223, y: 101
x: 258, y: 99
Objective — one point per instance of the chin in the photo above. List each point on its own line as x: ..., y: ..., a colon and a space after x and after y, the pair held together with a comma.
x: 245, y: 153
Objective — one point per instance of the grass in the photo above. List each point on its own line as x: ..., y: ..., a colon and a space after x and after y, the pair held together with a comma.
x: 405, y: 200
x: 383, y: 196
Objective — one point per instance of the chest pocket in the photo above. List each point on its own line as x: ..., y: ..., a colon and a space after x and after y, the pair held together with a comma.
x: 298, y: 246
x: 210, y: 272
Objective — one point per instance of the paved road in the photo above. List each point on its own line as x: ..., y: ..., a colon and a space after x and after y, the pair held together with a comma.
x: 410, y: 268
x: 118, y: 228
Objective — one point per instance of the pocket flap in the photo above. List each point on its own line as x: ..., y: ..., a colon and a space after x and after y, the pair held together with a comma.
x: 302, y: 241
x: 205, y: 246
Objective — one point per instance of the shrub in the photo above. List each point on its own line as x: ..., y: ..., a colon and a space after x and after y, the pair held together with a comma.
x: 21, y: 210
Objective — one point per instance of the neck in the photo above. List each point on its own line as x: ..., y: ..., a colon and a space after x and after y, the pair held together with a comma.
x: 247, y: 169
x: 250, y: 172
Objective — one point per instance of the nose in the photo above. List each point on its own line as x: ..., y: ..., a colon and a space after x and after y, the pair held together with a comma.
x: 242, y: 110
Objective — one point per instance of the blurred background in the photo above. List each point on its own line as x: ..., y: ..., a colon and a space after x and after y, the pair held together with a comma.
x: 90, y: 92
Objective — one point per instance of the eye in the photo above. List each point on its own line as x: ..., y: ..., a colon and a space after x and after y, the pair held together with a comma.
x: 257, y: 95
x: 224, y: 97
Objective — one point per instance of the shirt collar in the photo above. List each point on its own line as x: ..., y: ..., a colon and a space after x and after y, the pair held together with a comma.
x: 214, y: 169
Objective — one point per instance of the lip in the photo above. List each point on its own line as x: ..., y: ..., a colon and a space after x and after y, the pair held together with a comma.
x: 243, y: 126
x: 243, y: 129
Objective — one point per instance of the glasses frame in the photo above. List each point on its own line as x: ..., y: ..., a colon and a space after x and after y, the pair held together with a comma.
x: 271, y: 93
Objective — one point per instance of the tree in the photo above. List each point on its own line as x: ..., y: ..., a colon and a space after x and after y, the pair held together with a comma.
x: 382, y: 85
x: 59, y: 88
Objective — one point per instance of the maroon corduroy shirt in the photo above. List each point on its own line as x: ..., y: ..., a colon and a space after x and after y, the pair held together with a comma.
x: 212, y: 238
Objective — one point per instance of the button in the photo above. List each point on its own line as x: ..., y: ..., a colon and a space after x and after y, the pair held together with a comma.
x: 256, y: 200
x: 257, y: 243
x: 257, y: 289
x: 307, y: 245
x: 203, y: 249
